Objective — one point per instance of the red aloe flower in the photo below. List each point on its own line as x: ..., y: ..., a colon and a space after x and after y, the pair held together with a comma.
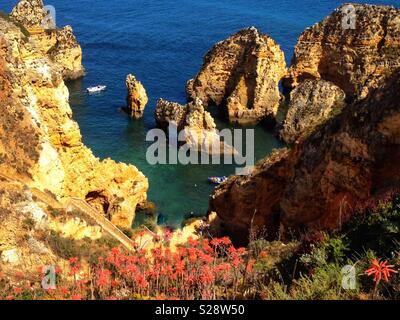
x: 73, y: 260
x: 206, y: 246
x: 18, y: 290
x: 141, y: 281
x: 63, y: 291
x: 58, y: 270
x: 226, y: 241
x: 206, y: 258
x: 250, y: 265
x: 115, y: 283
x: 180, y: 267
x: 380, y: 270
x: 192, y: 242
x: 104, y: 278
x: 216, y: 242
x: 76, y: 297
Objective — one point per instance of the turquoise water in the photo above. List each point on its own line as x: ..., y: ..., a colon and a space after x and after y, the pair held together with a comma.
x: 163, y: 43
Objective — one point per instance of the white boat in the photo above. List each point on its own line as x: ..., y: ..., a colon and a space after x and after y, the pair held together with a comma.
x: 96, y: 89
x: 217, y: 180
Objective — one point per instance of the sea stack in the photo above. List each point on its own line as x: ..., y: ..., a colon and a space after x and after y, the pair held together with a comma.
x: 137, y: 98
x: 197, y: 124
x: 241, y: 76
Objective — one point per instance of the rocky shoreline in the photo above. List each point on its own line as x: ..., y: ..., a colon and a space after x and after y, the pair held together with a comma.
x: 41, y: 150
x: 342, y: 122
x: 341, y: 126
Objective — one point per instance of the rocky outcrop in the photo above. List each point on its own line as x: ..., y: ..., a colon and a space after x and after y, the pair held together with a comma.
x: 29, y: 13
x: 40, y: 143
x: 241, y: 76
x: 36, y: 231
x: 198, y: 126
x: 67, y: 54
x: 317, y: 183
x: 137, y: 97
x: 311, y: 104
x: 59, y: 44
x: 356, y: 60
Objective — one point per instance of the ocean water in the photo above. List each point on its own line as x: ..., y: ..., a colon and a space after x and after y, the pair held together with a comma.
x: 163, y: 43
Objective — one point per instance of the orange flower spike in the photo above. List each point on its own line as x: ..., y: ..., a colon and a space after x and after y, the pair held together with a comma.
x: 380, y: 270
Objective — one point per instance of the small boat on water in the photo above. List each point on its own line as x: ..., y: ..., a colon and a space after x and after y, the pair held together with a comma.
x: 96, y: 89
x: 217, y: 180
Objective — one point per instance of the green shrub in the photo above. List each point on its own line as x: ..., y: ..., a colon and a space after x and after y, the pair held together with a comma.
x: 54, y: 212
x: 28, y: 223
x: 127, y: 231
x: 376, y: 227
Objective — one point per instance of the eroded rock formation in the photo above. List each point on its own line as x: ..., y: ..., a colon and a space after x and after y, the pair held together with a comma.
x: 40, y: 143
x: 29, y: 13
x: 241, y: 75
x: 67, y: 53
x: 59, y: 44
x: 317, y: 183
x: 137, y: 97
x: 311, y: 103
x: 357, y: 60
x: 198, y: 126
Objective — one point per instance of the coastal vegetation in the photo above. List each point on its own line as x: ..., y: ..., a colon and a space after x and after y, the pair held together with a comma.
x: 314, y: 220
x: 309, y: 266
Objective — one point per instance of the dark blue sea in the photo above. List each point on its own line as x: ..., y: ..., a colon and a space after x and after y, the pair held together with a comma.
x: 163, y: 43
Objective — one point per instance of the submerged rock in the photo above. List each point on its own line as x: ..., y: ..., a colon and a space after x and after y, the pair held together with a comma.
x: 199, y: 128
x: 356, y: 60
x: 311, y: 103
x: 60, y: 45
x: 137, y: 98
x: 241, y: 76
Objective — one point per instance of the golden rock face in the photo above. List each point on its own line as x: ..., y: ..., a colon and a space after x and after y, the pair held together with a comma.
x: 40, y: 141
x: 311, y: 103
x: 338, y: 159
x: 137, y: 98
x: 241, y: 75
x: 60, y: 45
x: 356, y: 60
x: 319, y: 181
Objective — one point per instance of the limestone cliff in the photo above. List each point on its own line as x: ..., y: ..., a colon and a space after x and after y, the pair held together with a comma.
x: 356, y: 60
x: 198, y: 126
x: 137, y: 98
x: 311, y: 103
x: 41, y: 144
x: 35, y: 232
x: 29, y: 13
x: 241, y: 76
x: 317, y: 183
x: 59, y: 44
